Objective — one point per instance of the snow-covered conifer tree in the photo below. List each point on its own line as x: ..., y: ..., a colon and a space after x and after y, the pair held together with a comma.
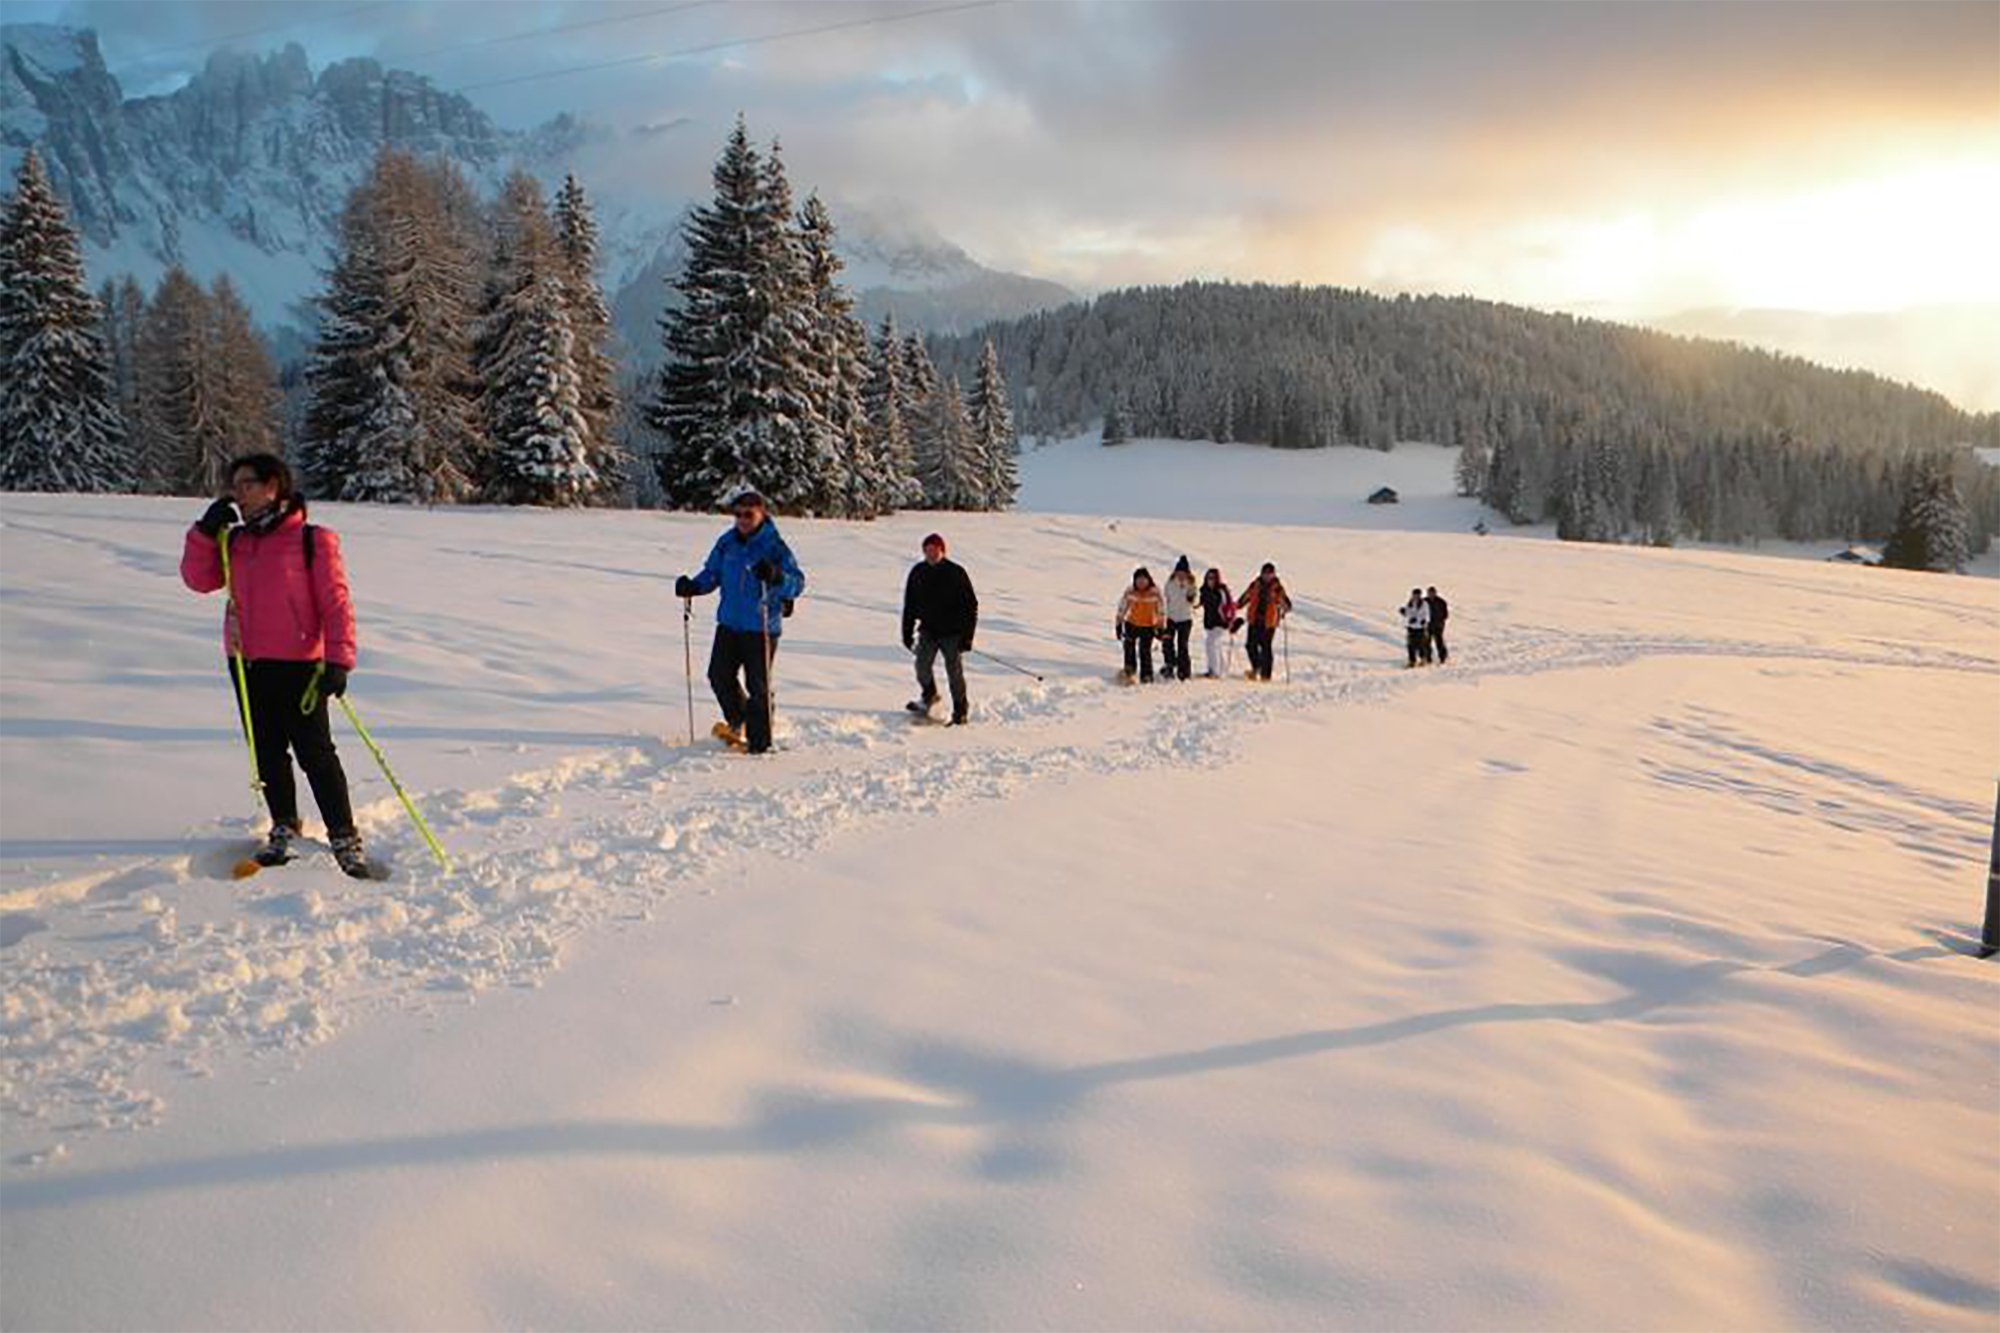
x: 1932, y: 528
x: 590, y: 327
x: 993, y: 432
x: 59, y: 424
x: 963, y: 474
x: 927, y: 411
x: 736, y: 400
x: 1470, y: 473
x: 539, y: 435
x: 1116, y: 429
x: 392, y: 416
x: 886, y: 398
x: 859, y: 485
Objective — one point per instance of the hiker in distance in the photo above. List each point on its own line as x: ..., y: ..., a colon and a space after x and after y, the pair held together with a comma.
x: 1417, y: 627
x: 1141, y: 614
x: 759, y: 579
x: 938, y: 596
x: 288, y: 644
x: 1218, y: 621
x: 1440, y: 612
x: 1264, y: 606
x: 1180, y: 596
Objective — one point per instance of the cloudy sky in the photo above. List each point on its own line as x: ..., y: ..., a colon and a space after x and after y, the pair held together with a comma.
x: 1836, y: 162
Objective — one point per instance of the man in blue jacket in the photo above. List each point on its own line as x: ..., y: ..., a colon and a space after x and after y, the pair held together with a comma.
x: 759, y: 578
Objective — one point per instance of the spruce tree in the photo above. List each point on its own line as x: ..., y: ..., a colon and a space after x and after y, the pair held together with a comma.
x: 393, y: 408
x: 736, y: 399
x: 590, y: 327
x: 1932, y: 527
x: 1470, y: 472
x: 993, y: 433
x: 858, y: 485
x: 59, y: 424
x: 1115, y: 431
x: 962, y: 477
x: 885, y: 398
x: 347, y: 374
x: 539, y: 435
x: 927, y: 410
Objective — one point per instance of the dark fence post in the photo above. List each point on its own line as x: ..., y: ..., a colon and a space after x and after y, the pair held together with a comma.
x: 1989, y: 936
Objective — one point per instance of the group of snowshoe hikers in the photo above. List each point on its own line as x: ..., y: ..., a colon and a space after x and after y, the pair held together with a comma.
x: 1148, y: 612
x: 289, y: 635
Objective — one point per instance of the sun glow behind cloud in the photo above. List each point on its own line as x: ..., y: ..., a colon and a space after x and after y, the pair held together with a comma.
x: 1913, y: 237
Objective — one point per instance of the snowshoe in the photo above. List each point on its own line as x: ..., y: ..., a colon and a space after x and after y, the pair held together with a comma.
x: 920, y: 709
x: 730, y: 736
x: 352, y: 857
x: 276, y: 851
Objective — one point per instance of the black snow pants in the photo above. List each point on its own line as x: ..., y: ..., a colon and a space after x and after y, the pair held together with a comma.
x: 741, y: 652
x: 282, y: 731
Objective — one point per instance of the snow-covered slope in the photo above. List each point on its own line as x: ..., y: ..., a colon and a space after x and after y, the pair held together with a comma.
x: 245, y: 169
x: 1611, y: 976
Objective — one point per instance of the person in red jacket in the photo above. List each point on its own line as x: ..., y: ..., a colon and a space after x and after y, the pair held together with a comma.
x: 291, y: 618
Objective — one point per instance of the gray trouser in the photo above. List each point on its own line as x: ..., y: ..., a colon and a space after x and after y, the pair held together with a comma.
x: 954, y: 668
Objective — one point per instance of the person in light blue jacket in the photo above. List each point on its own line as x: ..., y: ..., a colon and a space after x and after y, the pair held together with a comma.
x: 758, y: 578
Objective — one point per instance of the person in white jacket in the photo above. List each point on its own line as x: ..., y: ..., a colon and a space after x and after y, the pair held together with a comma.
x: 1417, y: 627
x: 1181, y: 597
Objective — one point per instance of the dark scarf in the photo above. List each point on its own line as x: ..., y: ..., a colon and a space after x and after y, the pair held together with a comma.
x: 269, y: 520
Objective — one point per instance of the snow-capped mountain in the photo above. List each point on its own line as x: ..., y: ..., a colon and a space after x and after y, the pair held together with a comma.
x: 244, y: 170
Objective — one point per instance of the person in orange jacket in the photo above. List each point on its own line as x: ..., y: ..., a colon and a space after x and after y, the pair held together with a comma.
x: 1264, y: 604
x: 1141, y: 614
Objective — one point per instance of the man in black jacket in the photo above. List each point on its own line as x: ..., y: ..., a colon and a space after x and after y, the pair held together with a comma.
x: 1439, y: 610
x: 939, y: 595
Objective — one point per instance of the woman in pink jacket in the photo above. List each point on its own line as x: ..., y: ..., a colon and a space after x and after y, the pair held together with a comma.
x: 293, y: 622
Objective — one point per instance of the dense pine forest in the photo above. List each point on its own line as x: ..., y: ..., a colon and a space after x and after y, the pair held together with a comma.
x: 1613, y: 432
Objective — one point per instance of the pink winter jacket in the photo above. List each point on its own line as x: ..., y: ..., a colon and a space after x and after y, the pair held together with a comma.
x: 287, y: 613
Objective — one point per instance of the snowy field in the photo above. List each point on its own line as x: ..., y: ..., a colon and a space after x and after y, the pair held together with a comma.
x: 1614, y: 976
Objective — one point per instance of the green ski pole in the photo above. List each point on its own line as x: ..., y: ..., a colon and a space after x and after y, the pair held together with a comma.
x: 389, y: 773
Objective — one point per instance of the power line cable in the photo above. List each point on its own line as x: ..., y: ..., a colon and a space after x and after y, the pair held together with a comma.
x: 550, y: 32
x: 730, y: 45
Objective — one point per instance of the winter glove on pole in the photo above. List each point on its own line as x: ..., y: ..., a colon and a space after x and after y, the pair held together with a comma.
x: 683, y: 586
x: 767, y: 573
x: 222, y: 514
x: 333, y: 681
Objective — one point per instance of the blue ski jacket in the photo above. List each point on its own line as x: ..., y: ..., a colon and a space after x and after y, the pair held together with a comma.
x: 728, y: 568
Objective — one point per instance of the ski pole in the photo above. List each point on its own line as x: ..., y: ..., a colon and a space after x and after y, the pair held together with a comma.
x: 382, y: 762
x: 1288, y: 651
x: 239, y: 672
x: 1001, y: 661
x: 770, y: 696
x: 687, y: 654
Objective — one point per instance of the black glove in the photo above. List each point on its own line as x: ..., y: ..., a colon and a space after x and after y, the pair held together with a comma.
x: 1118, y: 631
x: 222, y: 514
x: 683, y: 586
x: 767, y: 573
x: 333, y: 681
x: 965, y: 644
x: 909, y: 644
